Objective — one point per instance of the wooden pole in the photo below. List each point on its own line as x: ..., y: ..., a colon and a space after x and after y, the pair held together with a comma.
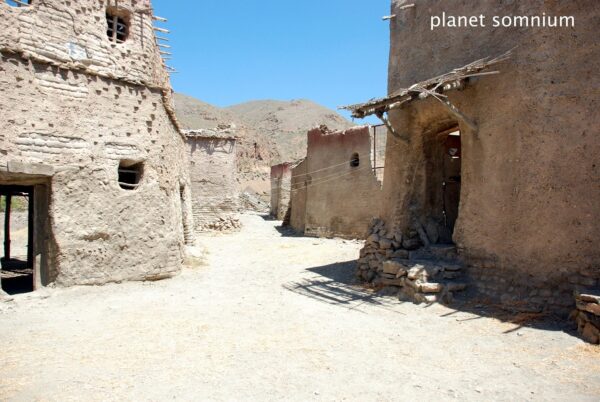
x: 375, y: 150
x: 30, y: 229
x: 7, y: 227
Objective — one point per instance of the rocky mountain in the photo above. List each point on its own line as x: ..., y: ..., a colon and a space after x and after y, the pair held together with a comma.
x: 270, y: 131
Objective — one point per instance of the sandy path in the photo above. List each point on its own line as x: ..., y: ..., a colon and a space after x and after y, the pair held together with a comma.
x: 268, y: 319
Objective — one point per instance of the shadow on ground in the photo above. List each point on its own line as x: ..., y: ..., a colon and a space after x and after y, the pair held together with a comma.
x: 336, y: 284
x: 267, y: 217
x: 288, y: 231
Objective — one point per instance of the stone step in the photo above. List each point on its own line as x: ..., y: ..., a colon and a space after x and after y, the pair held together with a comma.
x: 421, y: 269
x: 588, y: 295
x: 444, y: 252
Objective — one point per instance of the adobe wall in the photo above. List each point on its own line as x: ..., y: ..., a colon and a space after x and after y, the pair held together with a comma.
x: 73, y: 35
x: 298, y: 197
x: 340, y: 199
x: 281, y: 176
x: 214, y: 187
x: 530, y: 202
x: 78, y: 118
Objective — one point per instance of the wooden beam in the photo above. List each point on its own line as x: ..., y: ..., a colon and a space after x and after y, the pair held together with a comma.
x: 459, y: 115
x: 21, y: 3
x: 30, y: 230
x: 7, y: 208
x: 386, y: 122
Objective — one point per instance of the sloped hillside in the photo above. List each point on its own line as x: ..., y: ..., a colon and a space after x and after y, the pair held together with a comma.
x: 270, y: 131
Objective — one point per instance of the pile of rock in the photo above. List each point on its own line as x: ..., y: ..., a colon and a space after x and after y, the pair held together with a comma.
x: 250, y: 201
x: 422, y: 274
x: 224, y: 224
x: 587, y: 315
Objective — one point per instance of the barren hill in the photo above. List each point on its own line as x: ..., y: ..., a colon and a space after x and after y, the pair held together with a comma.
x: 270, y: 131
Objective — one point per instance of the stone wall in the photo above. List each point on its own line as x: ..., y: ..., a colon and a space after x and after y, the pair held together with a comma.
x: 79, y: 106
x: 281, y: 176
x: 340, y: 199
x: 587, y: 314
x: 527, y: 221
x: 214, y: 187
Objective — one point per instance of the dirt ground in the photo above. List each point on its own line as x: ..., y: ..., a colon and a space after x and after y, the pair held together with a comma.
x: 274, y: 317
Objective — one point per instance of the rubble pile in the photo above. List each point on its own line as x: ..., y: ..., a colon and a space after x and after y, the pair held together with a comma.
x: 251, y: 201
x: 422, y: 274
x: 224, y: 224
x: 587, y: 315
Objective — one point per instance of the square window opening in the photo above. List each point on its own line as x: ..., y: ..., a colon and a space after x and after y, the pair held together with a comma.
x: 117, y: 25
x: 130, y: 175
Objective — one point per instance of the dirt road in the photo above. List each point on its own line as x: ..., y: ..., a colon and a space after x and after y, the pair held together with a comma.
x: 272, y: 317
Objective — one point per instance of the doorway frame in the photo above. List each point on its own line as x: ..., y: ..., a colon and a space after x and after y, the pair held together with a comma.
x: 38, y: 223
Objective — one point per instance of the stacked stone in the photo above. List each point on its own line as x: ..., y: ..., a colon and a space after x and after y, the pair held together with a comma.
x: 225, y: 224
x: 391, y: 258
x: 380, y: 246
x: 587, y: 315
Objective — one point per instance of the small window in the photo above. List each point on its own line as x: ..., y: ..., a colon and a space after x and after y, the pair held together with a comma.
x: 117, y: 25
x: 18, y: 3
x: 354, y: 160
x: 130, y: 175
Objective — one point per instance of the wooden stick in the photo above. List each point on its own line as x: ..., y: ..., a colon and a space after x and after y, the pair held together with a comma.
x: 157, y: 18
x: 21, y: 3
x: 30, y: 229
x: 161, y: 30
x: 458, y: 113
x: 7, y: 208
x: 402, y: 137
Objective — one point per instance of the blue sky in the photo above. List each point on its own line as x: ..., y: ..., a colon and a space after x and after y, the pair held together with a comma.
x: 333, y: 52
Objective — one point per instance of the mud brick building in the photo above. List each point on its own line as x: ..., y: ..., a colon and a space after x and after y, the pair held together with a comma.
x: 334, y: 190
x: 213, y: 167
x: 88, y: 134
x: 281, y: 181
x: 493, y: 149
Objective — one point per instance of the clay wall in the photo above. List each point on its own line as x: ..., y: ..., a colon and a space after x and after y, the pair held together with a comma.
x: 76, y: 120
x: 298, y: 197
x: 340, y: 199
x: 74, y: 34
x: 214, y: 186
x: 529, y: 200
x: 281, y: 176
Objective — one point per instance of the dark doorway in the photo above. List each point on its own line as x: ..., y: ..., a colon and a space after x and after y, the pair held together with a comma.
x: 17, y: 229
x: 443, y: 153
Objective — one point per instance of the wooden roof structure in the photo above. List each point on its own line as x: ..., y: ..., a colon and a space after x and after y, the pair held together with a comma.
x: 455, y: 79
